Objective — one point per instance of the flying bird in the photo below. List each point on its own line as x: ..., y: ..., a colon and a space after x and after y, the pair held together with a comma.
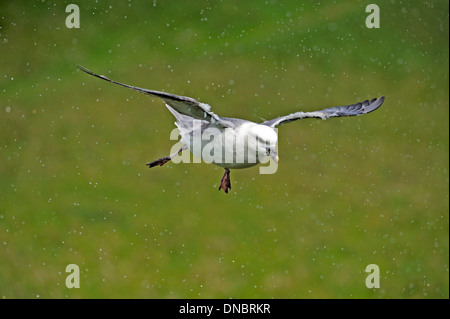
x: 232, y: 143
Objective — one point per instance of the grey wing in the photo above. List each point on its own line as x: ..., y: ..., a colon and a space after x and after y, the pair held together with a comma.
x: 182, y: 104
x: 336, y: 111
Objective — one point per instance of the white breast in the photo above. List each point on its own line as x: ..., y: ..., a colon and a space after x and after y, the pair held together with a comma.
x: 231, y: 148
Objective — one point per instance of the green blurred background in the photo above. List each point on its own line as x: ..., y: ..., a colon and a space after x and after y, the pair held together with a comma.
x: 74, y: 188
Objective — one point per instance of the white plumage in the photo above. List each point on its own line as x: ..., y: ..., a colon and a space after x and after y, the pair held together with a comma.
x: 230, y: 142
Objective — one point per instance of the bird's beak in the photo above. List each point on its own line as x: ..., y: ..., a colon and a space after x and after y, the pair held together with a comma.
x: 274, y: 156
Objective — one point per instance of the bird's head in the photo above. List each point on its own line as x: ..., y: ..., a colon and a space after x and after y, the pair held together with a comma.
x: 266, y: 141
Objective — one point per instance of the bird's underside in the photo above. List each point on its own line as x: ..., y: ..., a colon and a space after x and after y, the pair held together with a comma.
x: 186, y: 110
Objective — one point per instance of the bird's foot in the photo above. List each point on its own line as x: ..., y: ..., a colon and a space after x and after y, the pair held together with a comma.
x: 163, y: 160
x: 225, y: 182
x: 160, y: 161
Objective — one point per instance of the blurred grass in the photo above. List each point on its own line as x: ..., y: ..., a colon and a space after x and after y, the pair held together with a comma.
x: 349, y: 192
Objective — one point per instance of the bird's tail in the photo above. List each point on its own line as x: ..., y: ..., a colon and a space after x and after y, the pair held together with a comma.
x: 184, y: 123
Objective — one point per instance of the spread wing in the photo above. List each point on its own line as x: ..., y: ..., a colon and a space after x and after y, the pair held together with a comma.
x: 182, y: 104
x: 336, y: 111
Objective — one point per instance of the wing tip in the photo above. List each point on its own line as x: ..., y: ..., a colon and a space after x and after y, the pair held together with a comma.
x: 374, y: 104
x: 82, y: 68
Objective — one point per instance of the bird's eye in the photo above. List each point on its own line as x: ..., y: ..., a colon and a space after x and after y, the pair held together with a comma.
x: 268, y: 151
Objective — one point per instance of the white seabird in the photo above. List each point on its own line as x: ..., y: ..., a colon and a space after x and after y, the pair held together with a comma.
x: 237, y: 143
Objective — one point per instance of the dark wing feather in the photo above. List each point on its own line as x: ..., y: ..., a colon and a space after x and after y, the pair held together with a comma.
x: 182, y: 104
x: 336, y: 111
